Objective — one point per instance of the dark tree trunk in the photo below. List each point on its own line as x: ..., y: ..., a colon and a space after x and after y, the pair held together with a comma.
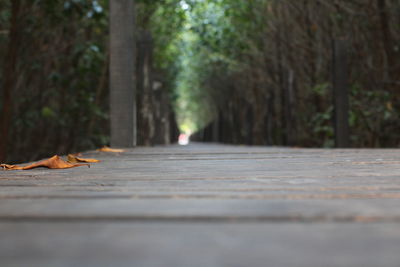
x: 145, y: 96
x: 341, y: 93
x: 9, y: 78
x: 387, y: 38
x: 122, y: 69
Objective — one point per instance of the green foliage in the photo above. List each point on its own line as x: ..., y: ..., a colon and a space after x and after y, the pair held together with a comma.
x: 321, y: 123
x: 61, y: 62
x: 225, y: 58
x: 62, y: 94
x: 234, y: 57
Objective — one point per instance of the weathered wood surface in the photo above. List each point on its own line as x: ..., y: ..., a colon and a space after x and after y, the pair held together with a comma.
x: 206, y: 205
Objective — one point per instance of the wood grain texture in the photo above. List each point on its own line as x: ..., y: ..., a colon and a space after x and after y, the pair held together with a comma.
x: 206, y: 205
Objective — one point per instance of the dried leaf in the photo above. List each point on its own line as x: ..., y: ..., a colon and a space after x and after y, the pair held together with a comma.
x: 10, y: 167
x: 107, y: 149
x: 54, y: 162
x: 74, y: 159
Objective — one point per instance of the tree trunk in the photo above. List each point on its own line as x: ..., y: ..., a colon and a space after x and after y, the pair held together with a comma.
x: 145, y: 95
x: 9, y: 78
x: 341, y: 93
x: 122, y: 69
x: 387, y: 38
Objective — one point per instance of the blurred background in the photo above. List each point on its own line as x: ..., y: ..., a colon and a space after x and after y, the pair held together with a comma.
x: 255, y: 72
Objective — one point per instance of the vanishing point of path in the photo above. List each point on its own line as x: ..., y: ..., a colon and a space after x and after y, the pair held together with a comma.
x: 206, y: 205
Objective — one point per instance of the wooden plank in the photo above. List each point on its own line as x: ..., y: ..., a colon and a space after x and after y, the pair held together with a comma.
x: 208, y: 209
x: 199, y: 244
x: 199, y: 190
x: 217, y: 205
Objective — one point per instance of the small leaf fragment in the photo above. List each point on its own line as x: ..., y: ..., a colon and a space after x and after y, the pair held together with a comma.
x: 54, y: 162
x: 112, y: 150
x: 10, y: 167
x: 74, y: 159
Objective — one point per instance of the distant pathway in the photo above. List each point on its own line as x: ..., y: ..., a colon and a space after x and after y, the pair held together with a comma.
x: 206, y: 205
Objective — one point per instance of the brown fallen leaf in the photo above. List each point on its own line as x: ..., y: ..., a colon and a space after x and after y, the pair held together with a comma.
x: 54, y: 162
x: 74, y: 159
x: 108, y: 149
x: 9, y: 167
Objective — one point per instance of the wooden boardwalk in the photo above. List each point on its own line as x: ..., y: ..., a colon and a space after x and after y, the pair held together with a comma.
x: 206, y: 205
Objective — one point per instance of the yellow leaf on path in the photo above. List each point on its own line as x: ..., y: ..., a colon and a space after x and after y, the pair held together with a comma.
x: 107, y: 149
x: 54, y: 162
x: 74, y: 159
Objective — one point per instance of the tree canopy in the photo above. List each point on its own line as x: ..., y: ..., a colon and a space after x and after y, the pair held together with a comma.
x: 229, y: 61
